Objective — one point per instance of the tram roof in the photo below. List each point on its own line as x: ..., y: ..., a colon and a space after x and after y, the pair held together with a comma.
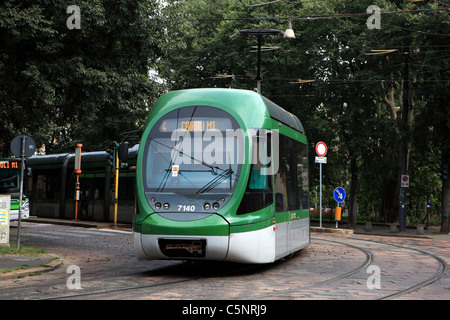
x: 278, y: 113
x: 85, y: 157
x: 61, y: 157
x: 230, y: 98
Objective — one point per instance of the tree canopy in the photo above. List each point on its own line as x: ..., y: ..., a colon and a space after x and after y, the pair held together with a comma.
x: 365, y: 83
x: 348, y: 83
x: 86, y: 85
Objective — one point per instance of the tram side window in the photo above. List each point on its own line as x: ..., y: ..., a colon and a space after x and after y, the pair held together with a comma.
x: 259, y: 192
x: 47, y: 186
x: 126, y: 189
x: 291, y: 180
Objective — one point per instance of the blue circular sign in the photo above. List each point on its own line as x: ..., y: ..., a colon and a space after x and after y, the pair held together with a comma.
x: 29, y: 148
x: 339, y: 194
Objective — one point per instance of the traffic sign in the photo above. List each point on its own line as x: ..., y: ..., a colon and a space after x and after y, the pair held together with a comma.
x: 321, y: 160
x: 405, y: 181
x: 22, y: 146
x: 16, y: 146
x: 321, y: 149
x: 339, y: 194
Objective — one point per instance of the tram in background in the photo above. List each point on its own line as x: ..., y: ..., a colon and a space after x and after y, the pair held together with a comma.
x: 10, y: 185
x: 52, y: 187
x: 211, y: 183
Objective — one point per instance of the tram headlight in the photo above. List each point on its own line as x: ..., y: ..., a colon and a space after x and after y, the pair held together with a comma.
x: 206, y: 206
x: 158, y: 206
x: 166, y: 206
x: 216, y: 206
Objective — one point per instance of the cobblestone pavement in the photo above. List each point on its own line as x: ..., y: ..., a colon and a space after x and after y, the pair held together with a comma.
x: 333, y: 267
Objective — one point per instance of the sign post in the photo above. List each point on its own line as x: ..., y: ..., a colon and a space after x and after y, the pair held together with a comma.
x: 404, y: 184
x: 116, y: 187
x: 339, y: 196
x: 23, y: 147
x: 77, y: 171
x: 321, y: 150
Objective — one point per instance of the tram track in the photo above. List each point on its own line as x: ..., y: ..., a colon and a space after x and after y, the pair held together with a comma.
x: 441, y: 271
x: 286, y: 293
x: 245, y: 268
x: 407, y: 267
x: 187, y: 279
x: 364, y: 265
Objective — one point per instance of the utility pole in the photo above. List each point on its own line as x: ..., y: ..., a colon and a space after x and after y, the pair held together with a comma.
x: 258, y: 74
x: 78, y: 172
x: 404, y: 144
x: 259, y: 33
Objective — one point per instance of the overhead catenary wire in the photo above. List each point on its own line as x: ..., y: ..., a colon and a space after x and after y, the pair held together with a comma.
x: 322, y: 16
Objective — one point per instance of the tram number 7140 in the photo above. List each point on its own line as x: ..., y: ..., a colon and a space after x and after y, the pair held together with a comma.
x: 182, y: 207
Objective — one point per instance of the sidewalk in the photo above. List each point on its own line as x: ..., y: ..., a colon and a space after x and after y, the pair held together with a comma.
x: 381, y: 230
x: 13, y: 266
x: 80, y: 223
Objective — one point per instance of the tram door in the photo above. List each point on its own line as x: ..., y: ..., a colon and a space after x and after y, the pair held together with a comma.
x: 92, y: 196
x: 291, y: 194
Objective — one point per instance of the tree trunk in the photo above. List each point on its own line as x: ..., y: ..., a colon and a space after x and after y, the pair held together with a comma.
x: 353, y: 193
x: 445, y: 149
x: 391, y: 193
x: 445, y: 224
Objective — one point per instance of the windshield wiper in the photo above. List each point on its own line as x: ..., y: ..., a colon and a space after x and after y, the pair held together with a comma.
x: 216, y: 181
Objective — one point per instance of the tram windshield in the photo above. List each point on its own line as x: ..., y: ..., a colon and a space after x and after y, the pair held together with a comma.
x: 193, y: 150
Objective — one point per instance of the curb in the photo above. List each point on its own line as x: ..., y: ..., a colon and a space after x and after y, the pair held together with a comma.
x: 50, y: 266
x: 332, y: 230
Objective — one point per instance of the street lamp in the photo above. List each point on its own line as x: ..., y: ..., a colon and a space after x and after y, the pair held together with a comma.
x: 289, y: 33
x: 259, y: 33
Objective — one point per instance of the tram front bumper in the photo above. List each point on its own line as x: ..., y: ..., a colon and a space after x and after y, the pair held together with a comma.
x: 160, y: 238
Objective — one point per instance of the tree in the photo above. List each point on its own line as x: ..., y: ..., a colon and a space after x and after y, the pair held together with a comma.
x: 344, y: 92
x: 87, y: 85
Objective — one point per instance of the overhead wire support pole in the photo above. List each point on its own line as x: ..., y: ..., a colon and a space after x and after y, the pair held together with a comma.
x: 258, y: 74
x: 404, y: 145
x: 78, y: 172
x: 259, y: 33
x: 116, y: 187
x: 320, y: 202
x: 22, y: 166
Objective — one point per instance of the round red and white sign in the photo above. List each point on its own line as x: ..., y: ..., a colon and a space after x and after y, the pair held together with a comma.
x: 321, y: 149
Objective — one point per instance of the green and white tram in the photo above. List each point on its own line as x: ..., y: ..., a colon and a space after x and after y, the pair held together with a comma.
x: 222, y: 174
x: 10, y: 185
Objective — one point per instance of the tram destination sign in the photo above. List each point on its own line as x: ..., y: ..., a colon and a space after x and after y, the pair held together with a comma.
x: 9, y: 164
x: 201, y: 124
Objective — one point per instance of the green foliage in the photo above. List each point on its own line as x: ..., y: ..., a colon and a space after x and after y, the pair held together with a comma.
x: 86, y: 85
x: 354, y: 103
x: 66, y: 86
